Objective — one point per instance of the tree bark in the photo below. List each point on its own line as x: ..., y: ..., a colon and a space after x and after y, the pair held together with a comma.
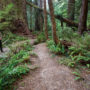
x: 37, y: 23
x: 31, y: 16
x: 45, y: 20
x: 20, y: 8
x: 83, y: 17
x: 55, y: 38
x: 71, y: 9
x: 41, y: 16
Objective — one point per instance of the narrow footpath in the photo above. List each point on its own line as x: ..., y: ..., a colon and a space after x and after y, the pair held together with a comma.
x: 50, y: 75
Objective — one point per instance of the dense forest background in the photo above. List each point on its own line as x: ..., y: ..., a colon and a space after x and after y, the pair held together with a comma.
x: 64, y: 25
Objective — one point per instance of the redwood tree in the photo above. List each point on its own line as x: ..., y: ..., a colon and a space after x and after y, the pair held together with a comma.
x: 45, y: 20
x: 55, y: 38
x: 83, y: 17
x: 20, y: 8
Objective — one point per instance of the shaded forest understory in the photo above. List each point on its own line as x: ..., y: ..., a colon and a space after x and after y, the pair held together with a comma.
x: 45, y: 45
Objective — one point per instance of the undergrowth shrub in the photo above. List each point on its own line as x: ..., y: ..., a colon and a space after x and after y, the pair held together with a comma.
x: 83, y: 42
x: 57, y: 49
x: 68, y: 34
x: 15, y: 65
x: 7, y: 16
x: 40, y: 38
x: 9, y: 38
x: 78, y: 53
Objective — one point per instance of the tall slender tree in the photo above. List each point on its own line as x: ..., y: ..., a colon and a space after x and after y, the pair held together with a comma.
x: 45, y: 20
x: 41, y: 16
x: 71, y: 9
x: 37, y: 25
x: 24, y: 11
x: 31, y: 16
x: 83, y: 17
x: 55, y: 38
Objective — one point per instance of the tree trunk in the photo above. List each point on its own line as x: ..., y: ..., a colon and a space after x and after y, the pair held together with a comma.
x: 83, y: 17
x: 37, y: 26
x: 41, y: 4
x: 21, y: 15
x: 31, y: 17
x: 24, y: 11
x: 41, y: 16
x: 55, y: 38
x: 71, y: 9
x: 45, y: 20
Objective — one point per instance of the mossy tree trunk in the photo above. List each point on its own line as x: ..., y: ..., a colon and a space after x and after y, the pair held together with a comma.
x: 20, y: 8
x: 55, y: 38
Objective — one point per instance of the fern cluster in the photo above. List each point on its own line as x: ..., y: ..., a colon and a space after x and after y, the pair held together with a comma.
x: 78, y: 53
x: 68, y: 34
x: 15, y: 65
x: 57, y: 49
x: 9, y: 38
x: 40, y: 38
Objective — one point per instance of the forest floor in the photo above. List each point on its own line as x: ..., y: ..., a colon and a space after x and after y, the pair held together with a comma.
x: 49, y: 75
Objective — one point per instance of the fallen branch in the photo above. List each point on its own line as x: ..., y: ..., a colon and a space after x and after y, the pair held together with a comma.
x: 69, y: 22
x: 33, y: 5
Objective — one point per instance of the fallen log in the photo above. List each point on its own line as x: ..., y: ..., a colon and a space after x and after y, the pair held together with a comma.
x: 69, y: 22
x: 33, y: 5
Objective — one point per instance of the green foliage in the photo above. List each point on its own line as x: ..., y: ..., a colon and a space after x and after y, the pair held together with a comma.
x: 9, y: 38
x: 64, y: 61
x: 58, y: 6
x: 68, y: 34
x: 79, y: 55
x: 15, y: 65
x: 84, y: 41
x: 40, y: 38
x: 88, y: 66
x: 7, y: 16
x: 80, y: 51
x: 78, y: 76
x: 71, y: 64
x: 58, y: 49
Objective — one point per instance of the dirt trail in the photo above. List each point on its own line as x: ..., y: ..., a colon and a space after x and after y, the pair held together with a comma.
x: 50, y: 75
